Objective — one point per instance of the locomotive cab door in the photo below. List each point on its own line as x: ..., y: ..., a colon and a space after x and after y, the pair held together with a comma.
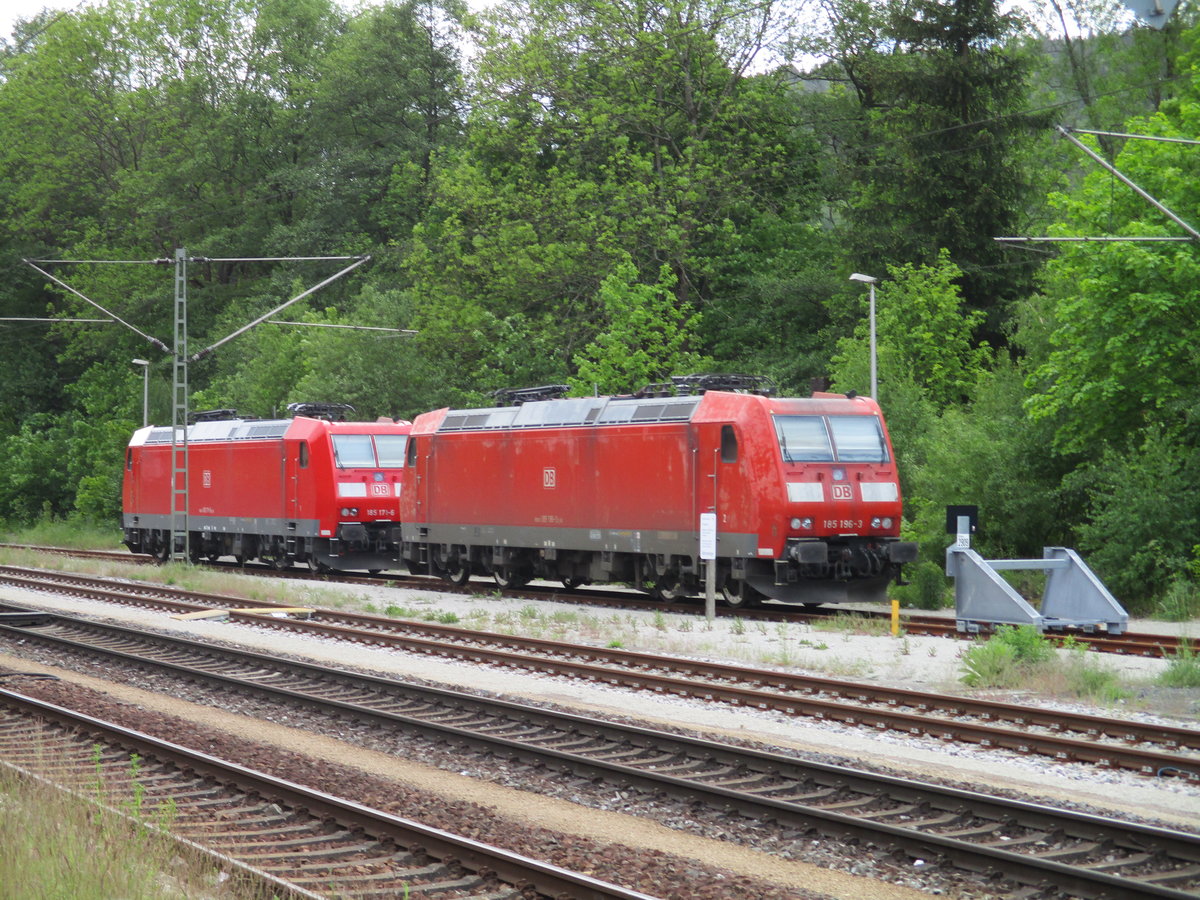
x: 295, y: 459
x: 717, y: 453
x: 133, y: 494
x: 418, y: 462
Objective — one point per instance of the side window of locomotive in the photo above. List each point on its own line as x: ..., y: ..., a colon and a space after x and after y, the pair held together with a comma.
x: 729, y: 444
x: 390, y: 449
x: 803, y: 439
x: 353, y: 451
x: 129, y: 459
x: 411, y: 453
x: 858, y: 439
x: 304, y: 454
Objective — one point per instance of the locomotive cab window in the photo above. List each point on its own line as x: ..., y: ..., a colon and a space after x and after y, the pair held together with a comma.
x: 353, y: 451
x: 390, y: 448
x: 858, y: 439
x: 129, y: 459
x: 729, y: 444
x: 804, y: 438
x: 303, y: 454
x: 836, y: 438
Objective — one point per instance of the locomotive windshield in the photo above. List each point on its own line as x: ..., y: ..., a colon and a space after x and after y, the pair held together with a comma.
x: 365, y: 451
x: 390, y: 448
x: 831, y: 439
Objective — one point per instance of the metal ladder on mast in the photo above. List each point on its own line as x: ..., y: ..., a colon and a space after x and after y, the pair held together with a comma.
x: 179, y: 418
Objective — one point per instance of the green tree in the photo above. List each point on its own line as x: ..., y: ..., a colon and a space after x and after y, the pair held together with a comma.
x: 598, y: 131
x: 934, y: 155
x: 1124, y: 315
x: 923, y: 333
x: 646, y: 339
x: 1144, y: 511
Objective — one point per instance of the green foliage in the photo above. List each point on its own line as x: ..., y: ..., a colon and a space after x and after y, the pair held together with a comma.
x: 645, y: 339
x: 1180, y: 602
x: 989, y: 454
x: 1183, y: 668
x: 1137, y: 543
x: 1007, y: 658
x: 73, y: 531
x: 597, y: 136
x: 932, y: 150
x: 927, y: 588
x: 922, y: 332
x: 1085, y: 677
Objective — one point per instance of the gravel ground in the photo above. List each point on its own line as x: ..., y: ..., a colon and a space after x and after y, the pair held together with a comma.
x: 620, y: 828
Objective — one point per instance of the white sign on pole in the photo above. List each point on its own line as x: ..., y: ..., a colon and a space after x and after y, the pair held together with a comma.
x: 708, y: 535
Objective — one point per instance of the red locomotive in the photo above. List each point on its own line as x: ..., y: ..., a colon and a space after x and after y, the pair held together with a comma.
x: 303, y: 489
x: 805, y: 492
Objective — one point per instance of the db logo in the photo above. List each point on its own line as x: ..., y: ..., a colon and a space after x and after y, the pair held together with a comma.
x: 842, y: 492
x: 381, y: 490
x: 549, y: 477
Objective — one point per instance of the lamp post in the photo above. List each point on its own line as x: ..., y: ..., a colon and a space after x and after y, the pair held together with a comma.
x: 870, y: 280
x: 145, y: 364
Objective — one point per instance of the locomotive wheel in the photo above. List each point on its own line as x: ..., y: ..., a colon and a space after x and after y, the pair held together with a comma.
x: 457, y: 572
x: 739, y: 595
x: 510, y: 577
x: 570, y: 582
x: 668, y: 589
x: 316, y: 566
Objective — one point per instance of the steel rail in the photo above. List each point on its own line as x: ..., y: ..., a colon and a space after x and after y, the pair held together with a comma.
x: 788, y: 693
x: 961, y: 814
x: 1128, y: 643
x: 523, y: 873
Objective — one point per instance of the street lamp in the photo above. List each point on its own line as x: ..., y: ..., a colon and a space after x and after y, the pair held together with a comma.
x: 145, y: 364
x: 870, y: 280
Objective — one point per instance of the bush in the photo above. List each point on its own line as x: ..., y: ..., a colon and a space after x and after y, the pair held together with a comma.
x: 1007, y: 658
x: 1183, y: 670
x: 70, y: 531
x: 1085, y: 677
x: 928, y: 587
x: 1180, y: 602
x: 1138, y: 544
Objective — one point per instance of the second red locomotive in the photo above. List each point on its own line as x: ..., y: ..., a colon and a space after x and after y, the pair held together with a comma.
x: 305, y: 489
x: 805, y: 492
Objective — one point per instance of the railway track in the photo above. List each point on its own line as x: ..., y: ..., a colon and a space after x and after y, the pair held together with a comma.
x: 1129, y: 643
x: 1027, y: 847
x: 1149, y: 749
x: 283, y: 838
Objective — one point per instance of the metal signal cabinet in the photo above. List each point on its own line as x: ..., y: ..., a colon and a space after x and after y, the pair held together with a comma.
x: 805, y: 492
x: 289, y: 490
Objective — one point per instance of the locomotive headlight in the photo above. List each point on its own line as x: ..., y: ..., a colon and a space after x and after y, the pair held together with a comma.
x: 799, y: 524
x: 887, y: 521
x: 349, y: 511
x: 884, y: 522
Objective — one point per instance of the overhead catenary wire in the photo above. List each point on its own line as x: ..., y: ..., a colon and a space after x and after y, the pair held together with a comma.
x: 153, y: 340
x: 338, y: 325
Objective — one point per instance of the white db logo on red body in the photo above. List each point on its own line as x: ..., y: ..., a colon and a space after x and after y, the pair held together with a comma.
x: 842, y: 492
x: 549, y: 478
